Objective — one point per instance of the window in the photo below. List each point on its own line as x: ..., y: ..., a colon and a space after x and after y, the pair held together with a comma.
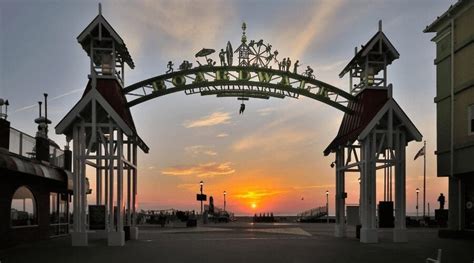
x: 23, y: 208
x: 58, y: 220
x: 470, y: 119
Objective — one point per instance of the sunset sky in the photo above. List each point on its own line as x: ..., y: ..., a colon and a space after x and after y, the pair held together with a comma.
x: 270, y: 156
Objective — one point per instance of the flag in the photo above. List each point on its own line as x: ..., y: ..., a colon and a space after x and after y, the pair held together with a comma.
x: 421, y: 152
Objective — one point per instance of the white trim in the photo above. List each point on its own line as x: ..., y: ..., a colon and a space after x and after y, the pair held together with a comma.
x: 68, y: 120
x: 99, y: 19
x: 398, y: 112
x: 381, y: 36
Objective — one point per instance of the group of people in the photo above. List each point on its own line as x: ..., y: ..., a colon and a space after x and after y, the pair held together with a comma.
x: 286, y: 64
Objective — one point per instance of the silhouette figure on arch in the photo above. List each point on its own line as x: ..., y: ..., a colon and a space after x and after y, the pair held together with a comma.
x: 242, y: 108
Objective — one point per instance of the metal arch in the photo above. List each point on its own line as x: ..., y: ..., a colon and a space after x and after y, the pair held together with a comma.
x: 228, y: 79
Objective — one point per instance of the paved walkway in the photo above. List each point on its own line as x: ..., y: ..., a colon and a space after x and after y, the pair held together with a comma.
x: 246, y: 242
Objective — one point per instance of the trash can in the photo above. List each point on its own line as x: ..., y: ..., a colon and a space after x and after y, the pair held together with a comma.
x: 191, y: 223
x: 358, y: 227
x: 126, y: 229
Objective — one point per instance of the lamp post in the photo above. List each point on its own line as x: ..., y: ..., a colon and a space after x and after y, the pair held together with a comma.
x: 327, y: 205
x: 201, y: 184
x: 225, y: 193
x: 417, y: 193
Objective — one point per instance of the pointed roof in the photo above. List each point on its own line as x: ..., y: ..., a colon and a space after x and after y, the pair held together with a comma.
x: 100, y: 24
x: 369, y: 108
x: 109, y: 94
x: 359, y: 59
x: 399, y: 115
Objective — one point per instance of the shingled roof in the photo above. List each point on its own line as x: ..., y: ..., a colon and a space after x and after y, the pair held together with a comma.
x: 109, y: 94
x: 113, y: 94
x: 366, y: 105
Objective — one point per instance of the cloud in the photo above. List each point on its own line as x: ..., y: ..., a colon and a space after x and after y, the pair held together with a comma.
x: 222, y: 135
x: 319, y: 23
x: 179, y: 28
x: 266, y: 111
x: 258, y: 194
x: 337, y: 65
x: 201, y: 170
x: 313, y: 186
x: 268, y: 140
x: 49, y: 100
x: 200, y: 149
x: 213, y: 119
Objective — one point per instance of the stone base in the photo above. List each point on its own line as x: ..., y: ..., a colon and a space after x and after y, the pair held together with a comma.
x: 369, y: 235
x: 133, y: 233
x: 400, y: 236
x: 102, y: 234
x: 340, y: 230
x: 79, y: 239
x: 116, y: 238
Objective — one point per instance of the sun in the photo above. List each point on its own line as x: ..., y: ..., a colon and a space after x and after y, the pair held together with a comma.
x: 253, y: 205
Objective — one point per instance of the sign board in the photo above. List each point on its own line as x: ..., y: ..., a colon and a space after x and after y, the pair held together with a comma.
x: 96, y: 217
x: 201, y: 197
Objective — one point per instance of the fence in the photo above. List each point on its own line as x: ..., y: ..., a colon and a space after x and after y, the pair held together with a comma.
x: 25, y: 145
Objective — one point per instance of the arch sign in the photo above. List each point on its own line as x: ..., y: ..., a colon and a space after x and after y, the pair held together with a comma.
x: 253, y: 76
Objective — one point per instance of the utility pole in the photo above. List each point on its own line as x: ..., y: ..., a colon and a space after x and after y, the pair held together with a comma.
x: 327, y: 205
x: 225, y: 193
x: 417, y: 193
x: 201, y: 184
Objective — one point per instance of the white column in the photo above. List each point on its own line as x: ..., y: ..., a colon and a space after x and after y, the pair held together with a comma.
x: 368, y: 232
x: 116, y: 236
x: 400, y: 231
x: 98, y: 170
x: 106, y: 184
x: 340, y: 228
x: 134, y: 228
x: 111, y: 180
x: 129, y: 190
x: 120, y: 205
x: 75, y: 163
x: 79, y: 236
x: 82, y: 160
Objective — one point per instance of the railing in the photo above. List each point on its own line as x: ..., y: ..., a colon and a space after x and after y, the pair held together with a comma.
x: 313, y: 213
x: 22, y: 143
x: 25, y: 145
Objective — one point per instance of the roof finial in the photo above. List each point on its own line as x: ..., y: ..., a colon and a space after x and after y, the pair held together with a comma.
x: 100, y: 9
x: 380, y: 25
x: 244, y: 37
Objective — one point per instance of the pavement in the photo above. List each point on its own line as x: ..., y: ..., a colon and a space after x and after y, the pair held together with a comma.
x: 247, y: 242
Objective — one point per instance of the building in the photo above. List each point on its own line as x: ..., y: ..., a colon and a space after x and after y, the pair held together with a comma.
x: 455, y: 108
x: 104, y: 137
x: 371, y: 141
x: 35, y: 184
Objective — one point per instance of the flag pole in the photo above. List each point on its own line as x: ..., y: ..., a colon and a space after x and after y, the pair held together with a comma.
x: 424, y: 179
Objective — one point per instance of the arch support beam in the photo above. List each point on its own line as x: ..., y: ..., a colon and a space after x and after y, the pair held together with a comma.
x: 228, y: 80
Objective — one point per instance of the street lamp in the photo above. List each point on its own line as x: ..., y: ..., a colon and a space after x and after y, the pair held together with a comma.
x: 224, y: 199
x: 327, y: 205
x: 201, y: 184
x: 417, y: 192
